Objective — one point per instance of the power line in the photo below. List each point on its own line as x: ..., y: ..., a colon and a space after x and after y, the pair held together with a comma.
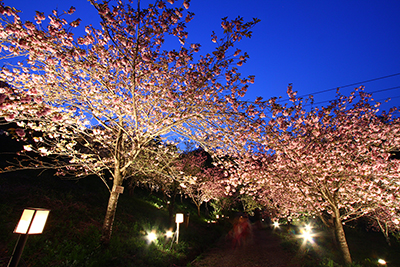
x: 390, y: 98
x: 348, y: 85
x: 326, y: 101
x: 376, y: 91
x: 387, y: 89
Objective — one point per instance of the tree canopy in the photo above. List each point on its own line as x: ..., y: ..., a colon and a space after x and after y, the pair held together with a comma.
x: 334, y: 162
x: 117, y: 88
x: 119, y: 100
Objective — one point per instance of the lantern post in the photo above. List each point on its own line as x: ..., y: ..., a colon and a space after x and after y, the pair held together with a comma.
x: 31, y: 222
x: 178, y: 220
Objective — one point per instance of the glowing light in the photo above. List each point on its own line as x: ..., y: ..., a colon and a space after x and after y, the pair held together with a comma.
x: 169, y: 234
x: 382, y: 261
x: 276, y: 224
x: 307, y: 234
x: 179, y: 218
x: 151, y: 237
x: 308, y: 228
x: 32, y: 220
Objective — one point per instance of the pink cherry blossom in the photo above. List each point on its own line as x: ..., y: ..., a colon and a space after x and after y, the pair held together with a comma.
x: 20, y: 132
x: 131, y: 88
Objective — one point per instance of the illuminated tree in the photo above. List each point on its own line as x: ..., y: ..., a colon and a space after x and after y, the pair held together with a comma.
x: 117, y: 88
x: 333, y: 162
x: 201, y: 181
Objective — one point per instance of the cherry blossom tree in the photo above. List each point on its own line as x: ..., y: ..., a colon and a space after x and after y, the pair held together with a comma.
x: 332, y: 161
x: 166, y: 178
x: 202, y: 181
x: 100, y: 99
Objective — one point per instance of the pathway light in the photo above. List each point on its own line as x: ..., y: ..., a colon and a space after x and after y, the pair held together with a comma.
x: 151, y: 237
x: 308, y: 228
x: 382, y: 262
x: 32, y: 221
x: 178, y: 220
x: 306, y: 234
x: 169, y: 234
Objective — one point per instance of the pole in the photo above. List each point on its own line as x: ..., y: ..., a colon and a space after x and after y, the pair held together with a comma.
x: 177, y: 232
x: 19, y: 247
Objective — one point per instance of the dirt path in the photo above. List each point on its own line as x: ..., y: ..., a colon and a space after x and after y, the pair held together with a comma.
x: 261, y: 249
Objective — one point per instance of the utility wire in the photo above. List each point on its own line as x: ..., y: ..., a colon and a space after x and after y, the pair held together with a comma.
x: 326, y: 101
x: 376, y: 91
x: 387, y: 89
x: 348, y: 85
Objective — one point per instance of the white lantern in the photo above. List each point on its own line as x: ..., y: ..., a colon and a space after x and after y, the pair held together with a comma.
x: 179, y: 218
x: 32, y: 221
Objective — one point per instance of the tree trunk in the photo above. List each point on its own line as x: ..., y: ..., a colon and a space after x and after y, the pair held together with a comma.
x: 171, y: 205
x: 385, y: 232
x: 109, y: 218
x: 198, y: 210
x: 341, y: 237
x: 171, y: 209
x: 114, y: 195
x: 387, y: 238
x: 131, y: 186
x: 330, y: 225
x: 333, y: 236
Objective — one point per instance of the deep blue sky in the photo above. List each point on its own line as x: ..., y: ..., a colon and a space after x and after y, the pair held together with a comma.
x: 316, y: 45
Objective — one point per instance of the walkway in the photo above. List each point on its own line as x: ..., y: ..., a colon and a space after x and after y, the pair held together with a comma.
x: 261, y: 249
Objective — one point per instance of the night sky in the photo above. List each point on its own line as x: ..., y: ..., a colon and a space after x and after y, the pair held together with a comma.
x: 315, y: 45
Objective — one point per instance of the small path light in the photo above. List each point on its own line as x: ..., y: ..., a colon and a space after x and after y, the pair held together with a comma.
x: 382, y: 262
x: 178, y: 220
x: 169, y: 234
x: 31, y: 222
x: 307, y: 234
x: 151, y: 237
x: 276, y: 224
x: 308, y: 228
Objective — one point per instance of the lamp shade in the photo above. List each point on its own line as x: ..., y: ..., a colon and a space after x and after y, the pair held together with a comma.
x: 179, y: 218
x: 32, y: 221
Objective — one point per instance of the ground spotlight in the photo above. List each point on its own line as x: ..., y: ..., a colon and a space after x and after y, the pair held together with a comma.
x: 382, y: 262
x: 151, y: 237
x: 169, y: 234
x: 306, y: 234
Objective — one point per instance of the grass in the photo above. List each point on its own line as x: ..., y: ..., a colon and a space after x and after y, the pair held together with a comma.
x: 366, y: 247
x: 72, y: 233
